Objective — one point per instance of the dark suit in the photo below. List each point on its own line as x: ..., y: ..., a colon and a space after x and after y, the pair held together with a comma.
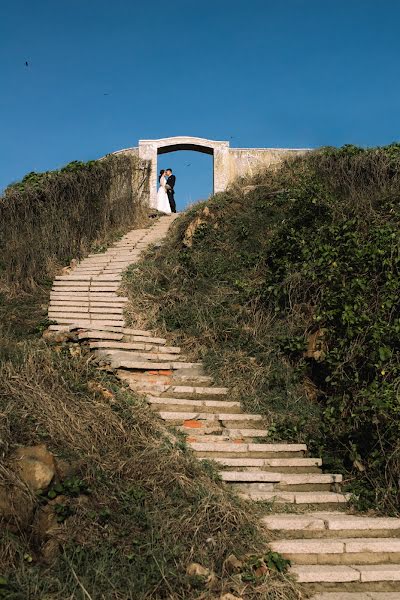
x: 170, y: 192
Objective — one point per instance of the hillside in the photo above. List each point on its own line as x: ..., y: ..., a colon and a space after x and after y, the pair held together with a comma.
x: 287, y: 286
x: 97, y: 498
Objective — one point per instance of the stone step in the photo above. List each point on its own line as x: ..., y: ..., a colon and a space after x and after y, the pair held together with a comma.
x: 73, y: 305
x: 180, y: 404
x: 246, y: 450
x: 133, y: 346
x: 216, y: 433
x: 184, y: 391
x: 344, y: 551
x: 81, y: 311
x: 362, y: 574
x: 87, y: 323
x: 226, y: 419
x: 331, y: 525
x: 281, y: 465
x: 285, y: 480
x: 97, y: 334
x: 73, y: 276
x: 88, y: 297
x: 315, y: 498
x: 159, y: 356
x: 85, y: 285
x: 149, y: 365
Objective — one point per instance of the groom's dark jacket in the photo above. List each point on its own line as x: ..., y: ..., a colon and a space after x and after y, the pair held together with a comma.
x: 171, y: 182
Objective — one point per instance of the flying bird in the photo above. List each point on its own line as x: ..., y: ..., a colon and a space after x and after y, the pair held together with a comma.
x: 26, y: 63
x: 189, y: 165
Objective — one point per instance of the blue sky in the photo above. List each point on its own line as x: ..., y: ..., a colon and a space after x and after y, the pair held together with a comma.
x: 103, y: 74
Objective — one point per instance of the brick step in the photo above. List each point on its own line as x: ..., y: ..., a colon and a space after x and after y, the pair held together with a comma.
x: 355, y: 577
x: 133, y: 346
x: 331, y: 525
x: 185, y: 405
x: 226, y: 419
x: 232, y: 450
x: 255, y: 480
x: 356, y: 596
x: 281, y: 465
x: 326, y: 499
x: 339, y: 551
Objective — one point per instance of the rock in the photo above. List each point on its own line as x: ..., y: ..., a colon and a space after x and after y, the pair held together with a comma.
x: 195, y: 569
x: 35, y: 465
x: 59, y: 337
x: 232, y: 564
x: 316, y: 345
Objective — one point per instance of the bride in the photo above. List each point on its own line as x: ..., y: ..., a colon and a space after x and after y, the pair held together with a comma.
x: 162, y: 202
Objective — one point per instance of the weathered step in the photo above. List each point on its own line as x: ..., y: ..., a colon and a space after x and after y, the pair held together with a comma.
x: 97, y: 334
x: 232, y: 450
x: 158, y: 356
x: 285, y: 480
x: 343, y: 551
x: 282, y: 465
x: 331, y: 524
x: 183, y: 391
x: 148, y: 365
x: 82, y: 277
x: 87, y: 323
x: 266, y: 481
x: 133, y: 346
x: 82, y: 311
x: 218, y: 433
x: 186, y: 405
x: 226, y: 419
x: 362, y: 574
x: 315, y: 498
x: 73, y: 305
x: 88, y: 296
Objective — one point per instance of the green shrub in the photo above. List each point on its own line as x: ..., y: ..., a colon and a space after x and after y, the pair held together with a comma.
x: 290, y: 293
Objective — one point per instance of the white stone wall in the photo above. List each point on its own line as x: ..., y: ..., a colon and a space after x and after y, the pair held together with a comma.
x: 229, y: 163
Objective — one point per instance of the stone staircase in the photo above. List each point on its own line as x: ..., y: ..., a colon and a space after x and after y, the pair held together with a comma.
x: 336, y: 556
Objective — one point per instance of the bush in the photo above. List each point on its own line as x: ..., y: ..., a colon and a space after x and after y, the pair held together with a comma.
x: 287, y: 286
x: 49, y: 218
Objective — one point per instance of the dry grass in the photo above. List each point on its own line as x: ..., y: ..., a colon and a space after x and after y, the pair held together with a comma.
x: 50, y: 218
x: 153, y: 508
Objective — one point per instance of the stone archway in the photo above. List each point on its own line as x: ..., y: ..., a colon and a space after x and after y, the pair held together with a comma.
x: 150, y: 149
x: 228, y: 163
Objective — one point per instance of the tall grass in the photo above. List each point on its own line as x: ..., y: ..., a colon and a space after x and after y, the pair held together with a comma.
x: 49, y: 218
x: 288, y: 287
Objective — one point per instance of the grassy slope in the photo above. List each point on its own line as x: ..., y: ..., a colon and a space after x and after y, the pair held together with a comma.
x: 139, y: 507
x: 287, y: 286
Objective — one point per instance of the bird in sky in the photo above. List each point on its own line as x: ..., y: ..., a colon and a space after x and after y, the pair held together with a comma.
x: 188, y: 165
x: 26, y: 63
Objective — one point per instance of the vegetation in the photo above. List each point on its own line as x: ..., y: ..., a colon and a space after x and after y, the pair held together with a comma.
x: 132, y: 507
x: 49, y: 218
x: 287, y: 286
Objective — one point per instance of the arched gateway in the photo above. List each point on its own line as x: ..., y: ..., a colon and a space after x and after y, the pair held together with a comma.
x: 229, y: 163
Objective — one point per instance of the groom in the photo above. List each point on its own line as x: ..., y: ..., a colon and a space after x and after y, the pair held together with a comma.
x: 170, y: 189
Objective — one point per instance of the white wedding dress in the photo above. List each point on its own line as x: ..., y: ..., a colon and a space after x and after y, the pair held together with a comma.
x: 162, y: 202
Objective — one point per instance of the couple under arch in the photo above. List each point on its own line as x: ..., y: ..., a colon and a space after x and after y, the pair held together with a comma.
x: 165, y: 201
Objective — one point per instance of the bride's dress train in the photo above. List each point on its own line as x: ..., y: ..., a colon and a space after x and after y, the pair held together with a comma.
x: 162, y: 202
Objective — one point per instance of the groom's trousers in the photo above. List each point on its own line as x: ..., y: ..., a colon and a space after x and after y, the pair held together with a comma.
x: 171, y: 198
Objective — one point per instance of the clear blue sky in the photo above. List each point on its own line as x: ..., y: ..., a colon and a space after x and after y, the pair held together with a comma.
x: 294, y: 73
